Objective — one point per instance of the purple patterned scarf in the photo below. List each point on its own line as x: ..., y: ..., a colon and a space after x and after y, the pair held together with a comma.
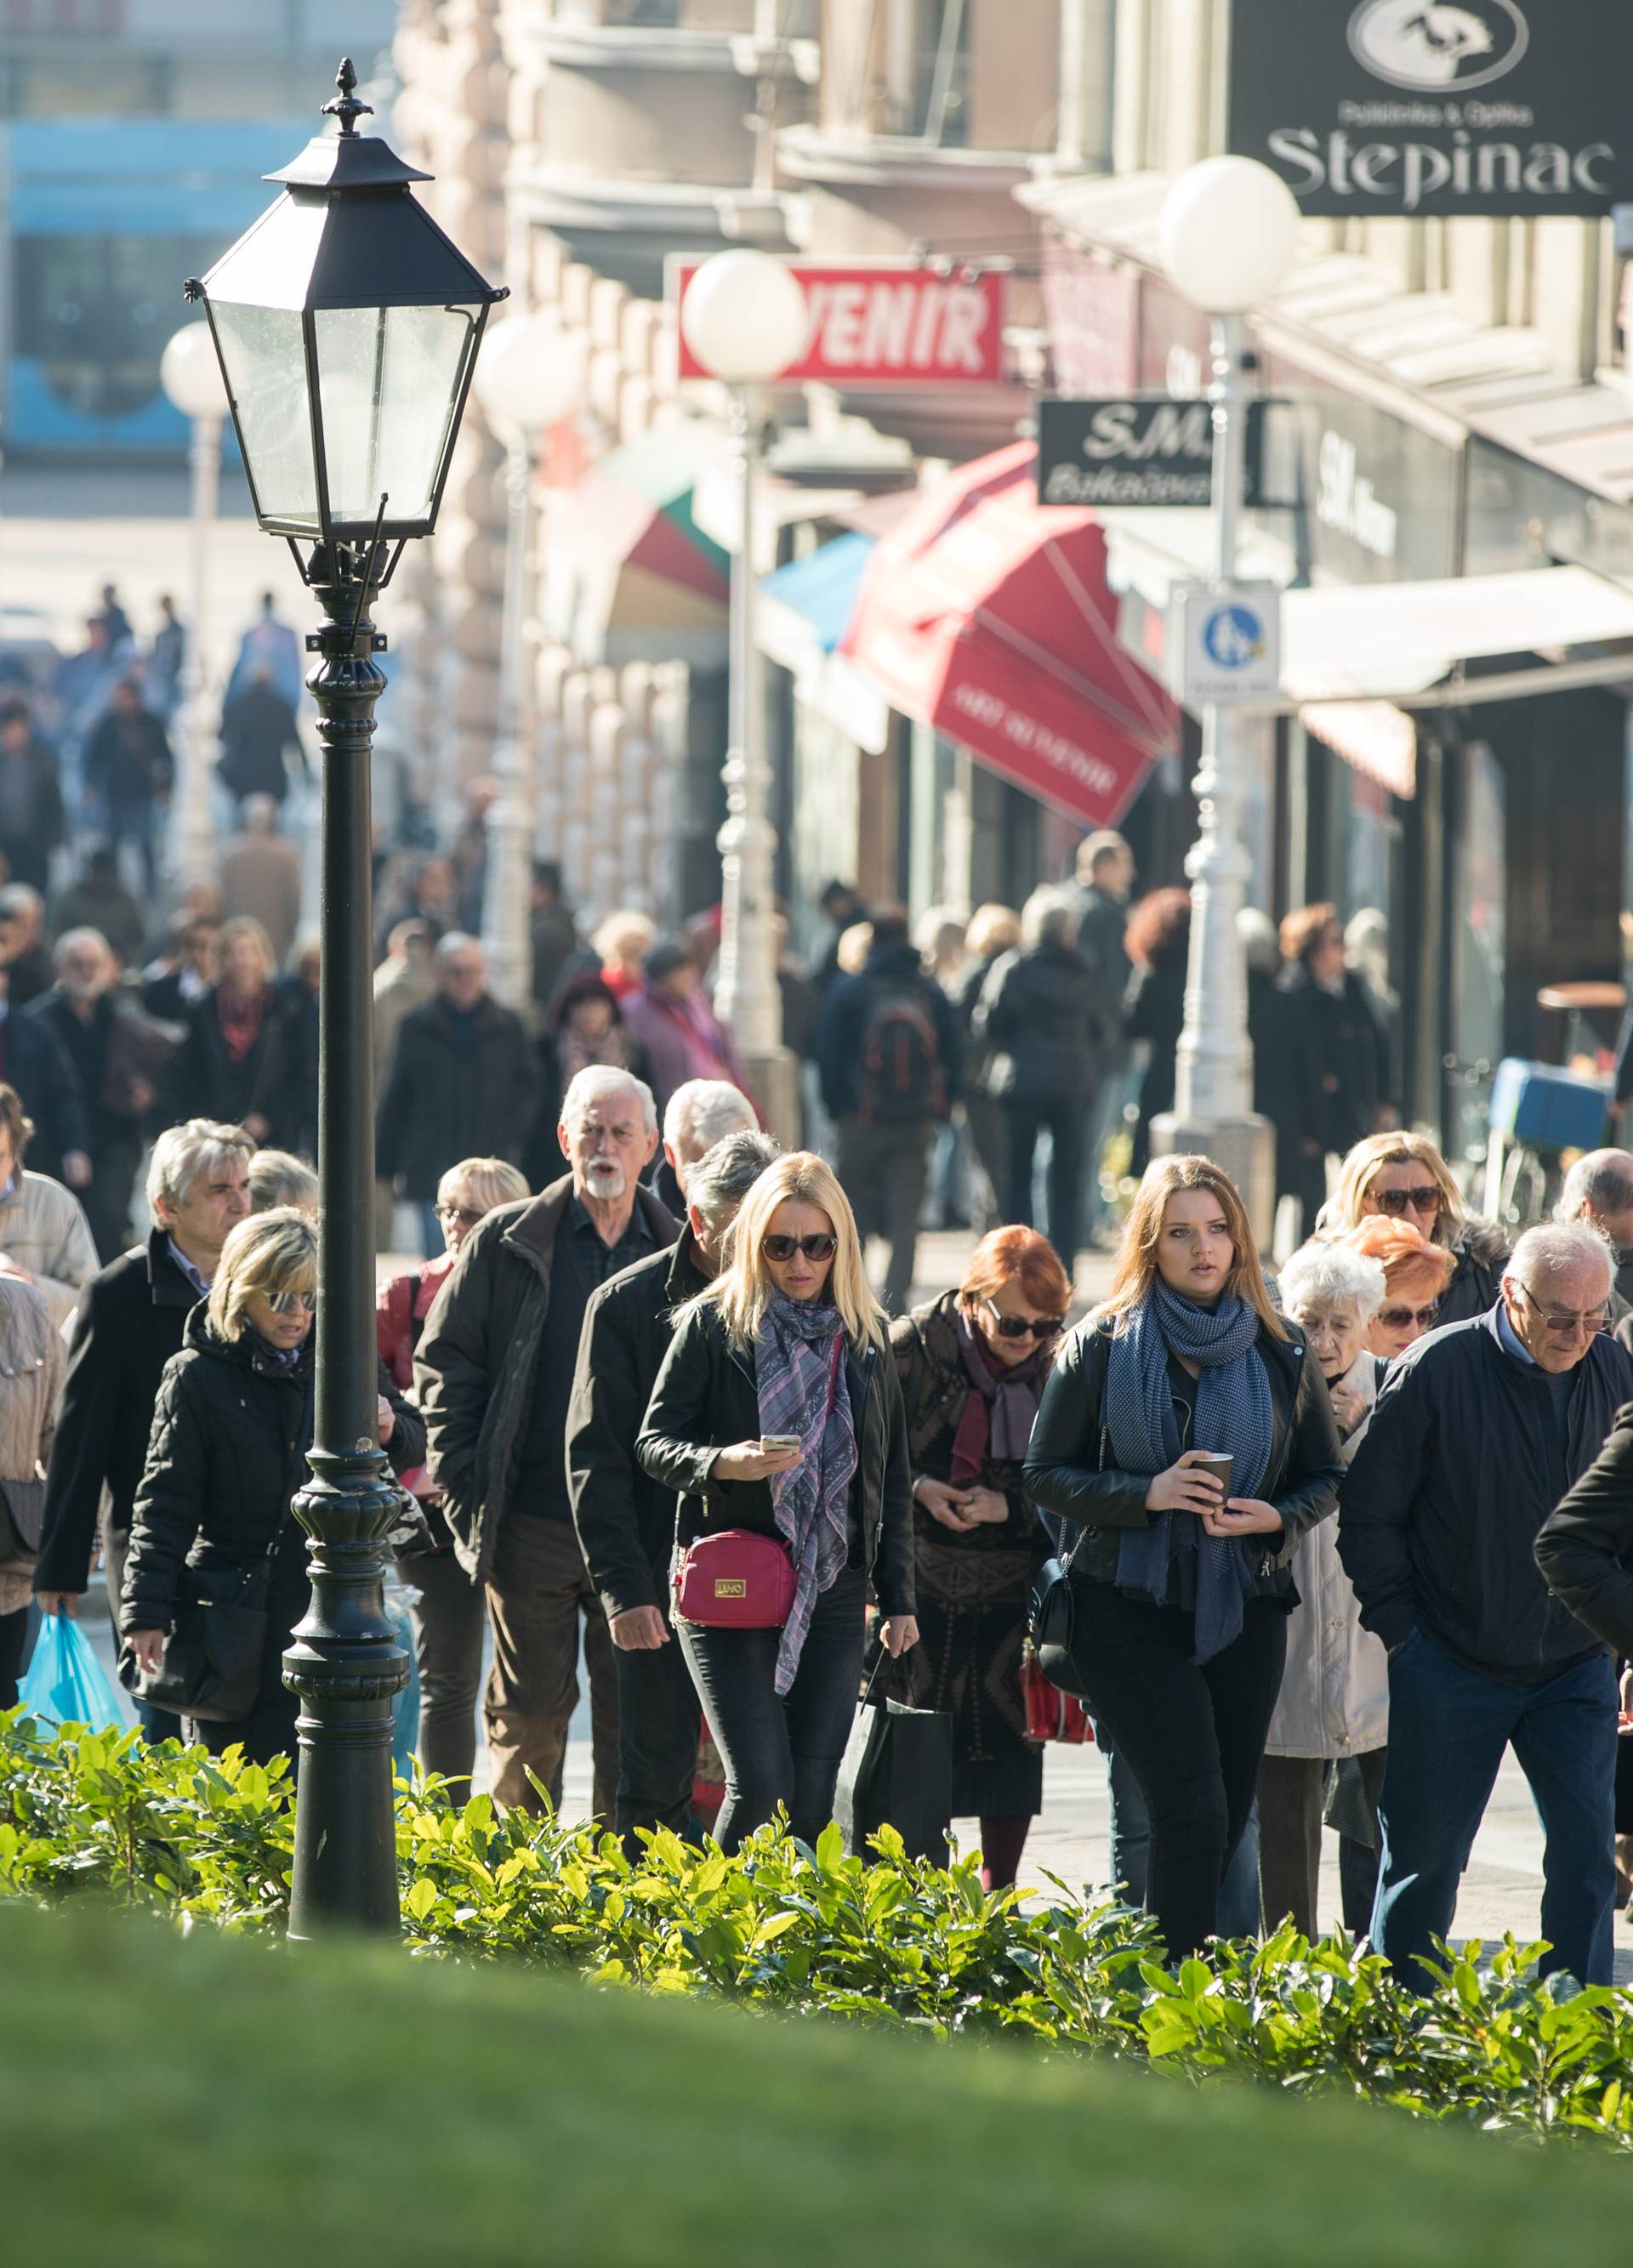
x: 798, y: 1367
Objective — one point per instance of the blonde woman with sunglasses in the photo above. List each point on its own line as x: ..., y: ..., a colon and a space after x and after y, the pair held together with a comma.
x: 227, y: 1455
x: 778, y: 1410
x: 1403, y: 1177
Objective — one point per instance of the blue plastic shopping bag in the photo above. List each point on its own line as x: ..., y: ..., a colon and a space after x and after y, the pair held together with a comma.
x: 67, y: 1685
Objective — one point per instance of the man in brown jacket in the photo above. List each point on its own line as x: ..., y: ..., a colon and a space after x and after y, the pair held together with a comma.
x: 494, y: 1372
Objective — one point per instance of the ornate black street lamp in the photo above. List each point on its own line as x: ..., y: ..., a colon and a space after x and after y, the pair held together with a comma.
x: 347, y: 325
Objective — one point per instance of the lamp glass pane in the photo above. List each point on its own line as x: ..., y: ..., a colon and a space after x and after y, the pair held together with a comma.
x: 389, y: 383
x: 265, y: 363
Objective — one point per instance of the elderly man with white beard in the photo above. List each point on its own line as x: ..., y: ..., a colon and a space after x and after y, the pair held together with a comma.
x: 494, y: 1374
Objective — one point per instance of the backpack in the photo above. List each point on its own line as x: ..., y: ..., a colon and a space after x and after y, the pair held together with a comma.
x: 902, y: 1076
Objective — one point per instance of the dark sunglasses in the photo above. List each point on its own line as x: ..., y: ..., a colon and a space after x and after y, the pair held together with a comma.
x: 1425, y: 1198
x: 290, y: 1303
x: 1019, y: 1326
x: 782, y: 1249
x: 1396, y: 1319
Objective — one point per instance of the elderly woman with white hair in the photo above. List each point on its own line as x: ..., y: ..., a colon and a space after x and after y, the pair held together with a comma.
x: 1333, y: 1703
x: 1039, y: 1013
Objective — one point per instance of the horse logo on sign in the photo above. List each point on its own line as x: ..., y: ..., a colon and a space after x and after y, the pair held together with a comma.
x: 1431, y: 47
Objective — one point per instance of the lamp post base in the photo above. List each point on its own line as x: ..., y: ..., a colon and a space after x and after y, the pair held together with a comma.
x: 773, y: 1081
x: 1244, y: 1146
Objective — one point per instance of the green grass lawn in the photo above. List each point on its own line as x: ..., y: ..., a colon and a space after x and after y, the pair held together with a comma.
x: 214, y: 2104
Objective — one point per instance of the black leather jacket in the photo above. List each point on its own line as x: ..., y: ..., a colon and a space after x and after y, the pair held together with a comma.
x: 706, y: 1399
x: 1068, y: 1472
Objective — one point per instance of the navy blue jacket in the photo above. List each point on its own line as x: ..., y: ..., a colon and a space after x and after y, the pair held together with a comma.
x: 1439, y: 1515
x: 845, y: 1021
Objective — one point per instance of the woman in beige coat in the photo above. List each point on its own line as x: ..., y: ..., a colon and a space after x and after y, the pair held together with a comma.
x: 32, y: 1363
x: 1334, y: 1696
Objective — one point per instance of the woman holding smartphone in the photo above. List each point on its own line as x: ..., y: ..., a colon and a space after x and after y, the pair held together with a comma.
x: 1182, y: 1584
x: 778, y: 1410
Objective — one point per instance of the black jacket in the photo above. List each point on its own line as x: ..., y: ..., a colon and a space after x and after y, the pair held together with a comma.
x: 624, y: 1519
x: 1040, y: 1015
x: 226, y: 1456
x: 257, y: 729
x: 453, y: 1093
x: 1066, y: 1472
x: 1329, y: 1074
x: 478, y: 1354
x: 1585, y: 1548
x: 1441, y: 1509
x: 204, y: 1082
x: 1155, y: 1011
x: 128, y: 1324
x: 706, y: 1399
x: 839, y: 1044
x: 1102, y: 929
x: 1481, y: 1256
x: 33, y: 1061
x: 128, y: 758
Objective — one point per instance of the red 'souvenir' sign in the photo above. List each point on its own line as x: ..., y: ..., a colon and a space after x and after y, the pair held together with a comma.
x: 885, y: 323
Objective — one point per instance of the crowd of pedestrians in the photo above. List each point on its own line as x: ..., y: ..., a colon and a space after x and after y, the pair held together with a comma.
x: 1335, y: 1537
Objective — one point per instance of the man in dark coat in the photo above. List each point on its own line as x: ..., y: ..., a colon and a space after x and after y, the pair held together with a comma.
x: 625, y: 1521
x: 462, y: 1083
x: 128, y: 1325
x: 1330, y: 1072
x: 31, y: 797
x: 1106, y: 880
x: 889, y: 1056
x: 494, y: 1371
x: 258, y: 730
x: 129, y: 765
x: 1598, y: 1189
x: 1042, y: 1013
x: 33, y: 1061
x: 83, y: 1011
x: 1481, y: 1428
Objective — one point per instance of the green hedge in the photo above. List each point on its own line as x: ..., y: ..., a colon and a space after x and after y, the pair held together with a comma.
x: 780, y: 1927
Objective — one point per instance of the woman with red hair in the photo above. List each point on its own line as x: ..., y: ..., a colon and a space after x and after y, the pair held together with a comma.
x: 972, y: 1366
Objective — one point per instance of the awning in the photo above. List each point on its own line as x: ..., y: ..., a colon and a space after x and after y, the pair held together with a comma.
x: 804, y: 611
x: 629, y: 576
x: 989, y: 617
x: 1377, y: 738
x: 1391, y: 640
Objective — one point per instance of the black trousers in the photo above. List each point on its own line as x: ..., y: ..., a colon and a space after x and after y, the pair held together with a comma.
x: 785, y: 1751
x: 13, y: 1637
x: 1192, y: 1735
x: 1067, y: 1118
x: 450, y: 1622
x: 658, y: 1722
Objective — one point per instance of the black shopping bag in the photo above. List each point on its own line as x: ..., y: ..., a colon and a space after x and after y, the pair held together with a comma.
x: 897, y: 1771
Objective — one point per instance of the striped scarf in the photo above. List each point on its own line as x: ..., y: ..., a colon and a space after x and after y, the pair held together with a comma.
x: 799, y: 1368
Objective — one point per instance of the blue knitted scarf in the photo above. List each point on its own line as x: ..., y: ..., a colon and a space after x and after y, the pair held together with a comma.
x: 1232, y: 1419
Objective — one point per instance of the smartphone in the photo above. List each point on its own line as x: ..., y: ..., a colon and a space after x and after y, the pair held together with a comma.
x: 769, y: 1443
x: 1220, y: 1468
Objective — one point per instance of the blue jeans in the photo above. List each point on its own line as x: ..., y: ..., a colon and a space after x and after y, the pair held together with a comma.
x: 1131, y: 1843
x: 1448, y: 1727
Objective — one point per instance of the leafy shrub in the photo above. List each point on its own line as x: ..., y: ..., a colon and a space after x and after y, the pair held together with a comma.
x: 895, y: 1942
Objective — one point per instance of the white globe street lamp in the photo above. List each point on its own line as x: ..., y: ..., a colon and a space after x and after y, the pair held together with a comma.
x: 529, y: 376
x: 1227, y: 233
x: 190, y: 374
x: 745, y: 318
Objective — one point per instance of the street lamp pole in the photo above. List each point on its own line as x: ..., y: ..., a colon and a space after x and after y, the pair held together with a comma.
x: 1229, y: 227
x: 347, y: 325
x: 192, y: 379
x: 745, y: 319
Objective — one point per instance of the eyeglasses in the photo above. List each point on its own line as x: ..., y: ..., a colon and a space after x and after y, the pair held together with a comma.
x: 1425, y: 1198
x: 1400, y: 1319
x: 782, y: 1249
x: 470, y: 1214
x: 1042, y: 1328
x: 1559, y: 1321
x: 290, y: 1303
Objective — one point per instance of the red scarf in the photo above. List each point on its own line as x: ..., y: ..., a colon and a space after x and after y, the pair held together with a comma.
x: 971, y: 1446
x: 241, y: 1015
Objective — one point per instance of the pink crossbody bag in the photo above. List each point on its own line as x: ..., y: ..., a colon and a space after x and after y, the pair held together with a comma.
x: 742, y: 1579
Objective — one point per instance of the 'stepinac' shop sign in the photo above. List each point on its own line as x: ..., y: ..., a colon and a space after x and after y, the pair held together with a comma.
x: 1437, y: 106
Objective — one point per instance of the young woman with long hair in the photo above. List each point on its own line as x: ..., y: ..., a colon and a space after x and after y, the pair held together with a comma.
x: 1182, y: 1587
x: 788, y: 1341
x: 1404, y: 1176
